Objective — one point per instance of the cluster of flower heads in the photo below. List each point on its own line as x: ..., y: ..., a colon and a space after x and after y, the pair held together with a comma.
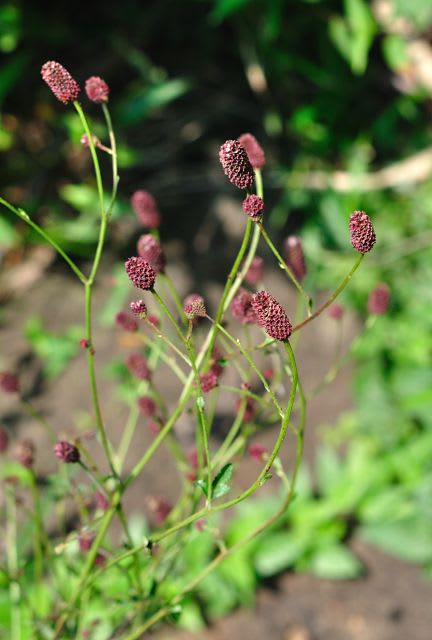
x: 66, y: 88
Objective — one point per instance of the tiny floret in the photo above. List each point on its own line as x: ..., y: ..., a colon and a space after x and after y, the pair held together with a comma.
x: 236, y: 165
x: 60, y: 81
x: 146, y: 209
x: 139, y: 309
x: 97, y: 90
x: 253, y: 206
x: 362, y: 232
x: 194, y: 306
x: 379, y: 299
x: 140, y: 272
x: 253, y: 149
x: 67, y: 452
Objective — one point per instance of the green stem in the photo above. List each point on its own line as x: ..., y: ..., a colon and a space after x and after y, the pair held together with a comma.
x: 94, y: 156
x: 170, y: 285
x: 168, y: 314
x: 24, y: 216
x: 114, y: 158
x: 12, y: 563
x: 38, y: 536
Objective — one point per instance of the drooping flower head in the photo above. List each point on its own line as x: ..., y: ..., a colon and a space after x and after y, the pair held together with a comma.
x: 140, y: 272
x: 255, y: 273
x: 362, y: 232
x: 67, y: 452
x: 126, y: 321
x: 379, y: 299
x: 150, y: 249
x: 294, y: 257
x: 9, y: 382
x: 253, y: 149
x: 253, y: 206
x: 146, y: 209
x: 60, y: 81
x: 194, y: 306
x: 97, y: 89
x: 241, y: 307
x: 236, y: 165
x: 271, y: 316
x: 137, y: 365
x: 139, y: 309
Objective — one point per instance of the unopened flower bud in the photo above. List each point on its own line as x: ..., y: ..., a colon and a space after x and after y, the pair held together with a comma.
x: 85, y: 140
x: 336, y: 311
x: 150, y: 249
x: 60, y: 81
x: 236, y: 165
x: 84, y: 343
x: 146, y: 405
x: 294, y: 257
x: 253, y: 149
x: 253, y: 206
x: 141, y: 273
x: 194, y: 306
x: 257, y: 451
x: 139, y: 309
x: 97, y: 90
x: 362, y: 232
x: 379, y: 299
x: 67, y: 452
x: 146, y: 209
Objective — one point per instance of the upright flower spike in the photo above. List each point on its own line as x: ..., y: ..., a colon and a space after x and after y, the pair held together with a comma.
x: 60, y: 81
x: 150, y: 249
x: 253, y: 206
x: 140, y: 272
x: 253, y: 149
x: 379, y: 299
x: 97, y: 90
x: 67, y: 452
x: 362, y: 232
x: 271, y: 316
x: 146, y: 209
x: 294, y: 257
x: 236, y: 165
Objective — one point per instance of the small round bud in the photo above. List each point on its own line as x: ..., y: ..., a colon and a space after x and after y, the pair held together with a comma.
x: 241, y: 307
x: 236, y: 165
x: 126, y: 321
x: 362, y: 232
x: 253, y: 149
x: 139, y: 309
x: 84, y: 343
x: 253, y: 206
x: 60, y: 81
x: 336, y: 311
x: 97, y: 90
x: 294, y: 257
x: 379, y: 299
x: 137, y: 365
x: 150, y: 249
x: 85, y: 140
x: 67, y: 452
x: 146, y: 405
x: 145, y: 208
x: 9, y: 382
x: 141, y: 273
x: 255, y: 273
x: 194, y: 306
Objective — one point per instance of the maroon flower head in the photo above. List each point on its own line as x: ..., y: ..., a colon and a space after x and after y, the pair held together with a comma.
x: 97, y: 90
x: 145, y: 208
x: 153, y: 427
x: 215, y: 366
x: 60, y: 81
x: 268, y: 374
x: 255, y: 273
x: 336, y: 311
x: 25, y: 452
x: 236, y: 165
x: 9, y: 382
x: 139, y: 309
x: 67, y: 452
x: 85, y: 540
x: 271, y: 316
x: 194, y: 306
x: 362, y: 232
x: 294, y: 257
x: 137, y: 365
x: 208, y: 381
x: 257, y: 451
x: 84, y: 343
x: 100, y: 500
x: 140, y: 272
x: 253, y: 206
x: 379, y: 299
x: 253, y: 149
x: 146, y: 405
x: 126, y: 321
x: 150, y: 249
x: 4, y: 439
x: 241, y: 307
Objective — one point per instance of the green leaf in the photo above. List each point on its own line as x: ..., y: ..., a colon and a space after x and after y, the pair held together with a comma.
x: 225, y: 8
x: 335, y: 562
x: 55, y: 350
x: 409, y: 539
x: 221, y: 483
x: 277, y: 552
x: 138, y: 106
x: 202, y: 484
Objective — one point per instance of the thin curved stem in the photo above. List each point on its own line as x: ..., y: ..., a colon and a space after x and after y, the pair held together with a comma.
x: 114, y: 158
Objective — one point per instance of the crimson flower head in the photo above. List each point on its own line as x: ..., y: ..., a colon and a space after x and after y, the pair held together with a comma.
x: 146, y: 209
x: 336, y: 311
x: 253, y: 149
x: 100, y: 500
x: 67, y: 452
x: 60, y: 81
x: 140, y: 272
x: 294, y: 257
x: 255, y: 273
x: 253, y: 206
x: 235, y: 164
x: 97, y: 90
x: 9, y: 382
x: 379, y: 299
x: 150, y: 249
x: 362, y: 232
x: 146, y: 405
x: 139, y: 309
x: 257, y: 451
x: 215, y: 364
x: 271, y: 316
x: 126, y: 321
x: 208, y: 381
x: 194, y: 306
x: 241, y: 307
x: 137, y: 365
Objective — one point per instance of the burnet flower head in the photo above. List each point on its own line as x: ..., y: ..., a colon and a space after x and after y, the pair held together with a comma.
x: 235, y: 164
x: 60, y: 81
x: 271, y: 316
x: 362, y: 232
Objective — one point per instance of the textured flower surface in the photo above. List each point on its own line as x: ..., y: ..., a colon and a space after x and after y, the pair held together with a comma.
x: 253, y: 149
x: 66, y: 452
x: 253, y: 206
x: 294, y: 256
x: 271, y: 316
x: 139, y: 308
x: 208, y: 381
x: 146, y: 209
x: 97, y: 89
x: 140, y: 272
x: 236, y: 165
x: 194, y: 306
x: 379, y: 299
x: 362, y: 232
x: 150, y: 249
x: 60, y: 81
x: 241, y: 307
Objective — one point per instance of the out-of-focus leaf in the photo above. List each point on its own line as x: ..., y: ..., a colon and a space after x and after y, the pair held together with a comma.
x: 409, y: 539
x: 221, y: 484
x: 55, y: 350
x: 335, y: 562
x: 10, y: 73
x: 136, y: 107
x: 278, y: 552
x: 225, y: 8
